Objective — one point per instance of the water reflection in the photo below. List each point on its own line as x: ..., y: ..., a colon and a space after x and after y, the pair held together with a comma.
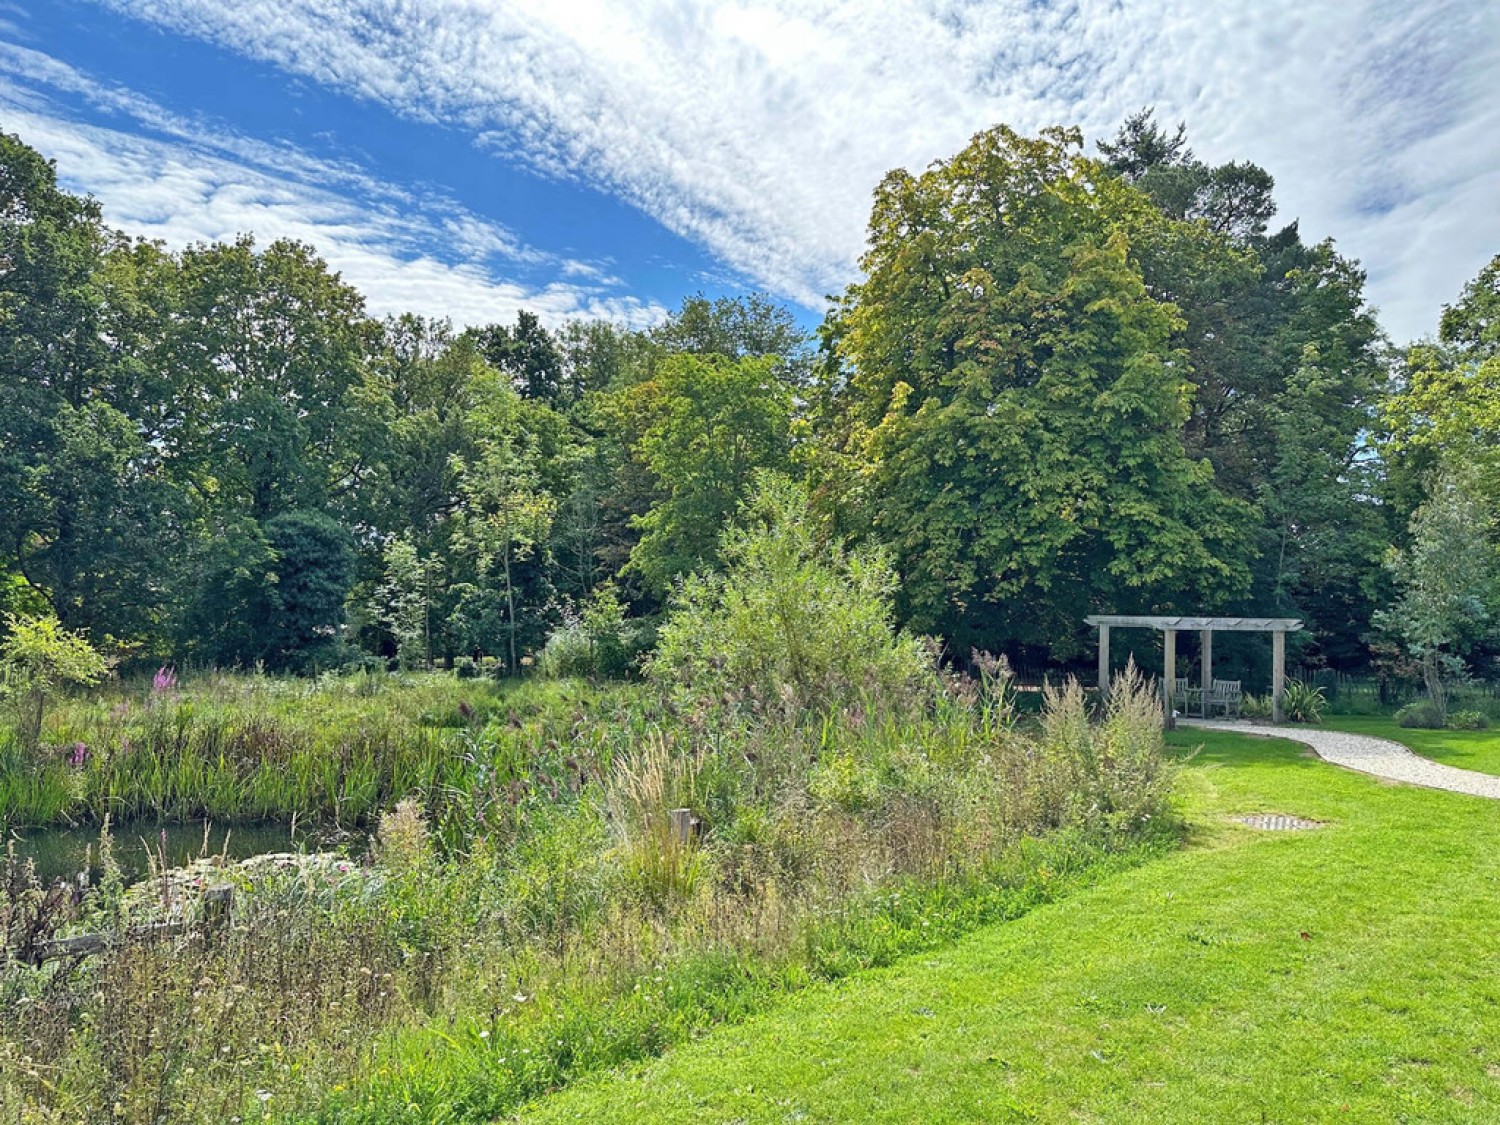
x: 64, y: 853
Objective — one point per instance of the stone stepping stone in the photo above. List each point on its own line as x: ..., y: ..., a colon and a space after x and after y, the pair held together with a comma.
x: 1276, y: 822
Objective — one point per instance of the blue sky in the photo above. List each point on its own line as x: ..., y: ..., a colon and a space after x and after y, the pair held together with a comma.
x: 472, y: 157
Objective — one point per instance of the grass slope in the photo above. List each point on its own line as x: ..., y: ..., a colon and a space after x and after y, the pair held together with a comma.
x: 1468, y: 749
x: 1345, y: 974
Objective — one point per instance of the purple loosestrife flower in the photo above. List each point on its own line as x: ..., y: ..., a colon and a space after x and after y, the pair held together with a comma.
x: 77, y: 755
x: 165, y: 680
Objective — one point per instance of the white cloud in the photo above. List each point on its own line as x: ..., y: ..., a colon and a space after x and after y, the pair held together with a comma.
x: 759, y: 129
x: 405, y: 250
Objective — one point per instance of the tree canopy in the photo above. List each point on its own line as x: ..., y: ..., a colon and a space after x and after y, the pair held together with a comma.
x: 1064, y: 383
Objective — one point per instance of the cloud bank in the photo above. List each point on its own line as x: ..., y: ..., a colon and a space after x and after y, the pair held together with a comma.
x: 760, y: 129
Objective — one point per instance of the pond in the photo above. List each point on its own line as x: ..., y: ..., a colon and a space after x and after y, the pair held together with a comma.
x: 62, y: 853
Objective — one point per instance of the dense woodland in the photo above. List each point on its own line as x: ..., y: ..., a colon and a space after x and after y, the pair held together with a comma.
x: 1067, y: 383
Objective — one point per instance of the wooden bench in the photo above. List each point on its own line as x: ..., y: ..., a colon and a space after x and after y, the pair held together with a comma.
x: 1225, y: 696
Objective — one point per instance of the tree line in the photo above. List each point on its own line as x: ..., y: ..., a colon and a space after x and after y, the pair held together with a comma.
x: 1066, y: 383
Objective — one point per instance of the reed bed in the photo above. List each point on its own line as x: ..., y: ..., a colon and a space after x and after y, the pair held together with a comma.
x: 263, y: 748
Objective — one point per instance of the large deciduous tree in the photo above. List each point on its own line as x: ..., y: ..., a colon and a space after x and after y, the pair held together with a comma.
x: 272, y: 349
x: 1009, y: 405
x: 1447, y: 406
x: 83, y: 504
x: 1284, y: 359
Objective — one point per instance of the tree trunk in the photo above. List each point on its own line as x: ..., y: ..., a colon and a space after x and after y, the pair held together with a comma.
x: 510, y: 611
x: 1432, y: 675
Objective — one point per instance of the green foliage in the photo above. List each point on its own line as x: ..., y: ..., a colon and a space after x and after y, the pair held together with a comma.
x: 314, y: 570
x: 1009, y: 413
x: 596, y: 642
x: 1447, y: 583
x: 511, y: 503
x: 710, y: 423
x: 403, y: 602
x: 1256, y: 706
x: 39, y: 658
x: 1111, y: 775
x: 255, y: 748
x: 1468, y: 720
x: 1284, y: 357
x: 1446, y: 405
x: 1424, y: 714
x: 1302, y: 702
x: 794, y: 623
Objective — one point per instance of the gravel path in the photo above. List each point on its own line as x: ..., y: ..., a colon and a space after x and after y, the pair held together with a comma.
x: 1378, y: 756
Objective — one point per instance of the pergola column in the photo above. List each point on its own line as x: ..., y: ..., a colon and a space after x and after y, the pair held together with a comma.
x: 1278, y: 672
x: 1206, y: 640
x: 1103, y: 661
x: 1169, y: 678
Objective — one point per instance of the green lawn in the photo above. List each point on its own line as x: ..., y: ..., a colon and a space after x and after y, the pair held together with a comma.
x: 1350, y: 973
x: 1470, y: 749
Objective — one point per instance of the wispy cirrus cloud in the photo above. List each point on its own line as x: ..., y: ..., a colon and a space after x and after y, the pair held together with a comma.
x: 759, y: 129
x: 181, y: 179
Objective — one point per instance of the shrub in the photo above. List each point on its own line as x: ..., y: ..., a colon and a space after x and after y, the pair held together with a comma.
x: 794, y: 623
x: 38, y: 658
x: 1302, y: 703
x: 596, y: 642
x: 1421, y: 715
x: 1256, y: 706
x: 1468, y: 720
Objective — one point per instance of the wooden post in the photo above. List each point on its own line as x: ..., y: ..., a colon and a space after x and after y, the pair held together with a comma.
x: 1207, y: 638
x: 218, y: 905
x: 1104, y: 662
x: 1278, y: 672
x: 682, y: 825
x: 1169, y: 681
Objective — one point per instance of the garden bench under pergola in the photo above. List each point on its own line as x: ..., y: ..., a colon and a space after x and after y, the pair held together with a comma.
x: 1169, y: 627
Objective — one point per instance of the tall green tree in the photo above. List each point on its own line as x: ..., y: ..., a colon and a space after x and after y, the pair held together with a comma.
x: 1445, y: 409
x: 510, y: 488
x: 709, y: 424
x: 84, y: 508
x: 753, y: 325
x: 1285, y: 361
x: 1009, y: 407
x: 527, y: 354
x: 273, y: 349
x: 1446, y: 580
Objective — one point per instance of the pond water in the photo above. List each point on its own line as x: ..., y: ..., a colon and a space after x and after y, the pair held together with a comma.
x: 62, y: 853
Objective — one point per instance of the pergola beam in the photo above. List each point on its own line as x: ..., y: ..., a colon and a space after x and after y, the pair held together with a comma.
x: 1218, y: 624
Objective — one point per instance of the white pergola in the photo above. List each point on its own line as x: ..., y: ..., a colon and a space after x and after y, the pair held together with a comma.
x: 1169, y: 627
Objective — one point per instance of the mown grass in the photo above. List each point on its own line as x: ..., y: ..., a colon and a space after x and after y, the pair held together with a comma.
x: 1348, y: 973
x: 1467, y: 749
